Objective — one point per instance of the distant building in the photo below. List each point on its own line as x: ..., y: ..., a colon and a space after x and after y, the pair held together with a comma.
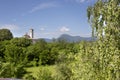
x: 30, y: 35
x: 26, y: 36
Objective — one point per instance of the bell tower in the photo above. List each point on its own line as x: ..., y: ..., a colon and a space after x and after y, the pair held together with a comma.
x: 31, y: 33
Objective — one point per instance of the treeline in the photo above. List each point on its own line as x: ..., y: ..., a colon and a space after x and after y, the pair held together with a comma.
x: 19, y: 53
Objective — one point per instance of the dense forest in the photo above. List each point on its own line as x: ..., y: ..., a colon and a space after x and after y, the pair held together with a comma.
x: 61, y: 60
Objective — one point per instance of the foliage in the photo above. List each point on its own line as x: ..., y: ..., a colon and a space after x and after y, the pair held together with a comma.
x: 42, y: 71
x: 29, y: 77
x: 9, y: 70
x: 21, y: 42
x: 15, y: 54
x: 15, y: 62
x: 104, y: 17
x: 65, y: 71
x: 5, y: 34
x: 44, y: 74
x: 43, y: 53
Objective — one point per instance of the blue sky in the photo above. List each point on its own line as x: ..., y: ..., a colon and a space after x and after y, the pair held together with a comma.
x: 48, y: 18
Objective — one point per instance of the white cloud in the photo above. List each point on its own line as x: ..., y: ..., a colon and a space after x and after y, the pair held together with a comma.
x: 42, y: 6
x: 10, y: 27
x: 64, y: 29
x: 42, y: 29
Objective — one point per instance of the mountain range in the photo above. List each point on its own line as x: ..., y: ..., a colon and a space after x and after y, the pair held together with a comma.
x: 70, y: 38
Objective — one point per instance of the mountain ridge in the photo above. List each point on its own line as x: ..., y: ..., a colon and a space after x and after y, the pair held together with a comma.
x: 69, y: 38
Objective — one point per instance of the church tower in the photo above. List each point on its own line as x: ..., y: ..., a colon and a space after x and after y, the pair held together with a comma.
x: 31, y: 33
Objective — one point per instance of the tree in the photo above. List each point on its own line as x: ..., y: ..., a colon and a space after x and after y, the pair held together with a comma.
x: 14, y: 52
x: 21, y: 42
x: 104, y: 17
x: 16, y: 60
x: 5, y: 34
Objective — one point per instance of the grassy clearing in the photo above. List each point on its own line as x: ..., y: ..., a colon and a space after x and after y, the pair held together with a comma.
x: 34, y: 70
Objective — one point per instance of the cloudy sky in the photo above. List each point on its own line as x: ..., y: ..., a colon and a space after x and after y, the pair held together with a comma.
x: 48, y: 18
